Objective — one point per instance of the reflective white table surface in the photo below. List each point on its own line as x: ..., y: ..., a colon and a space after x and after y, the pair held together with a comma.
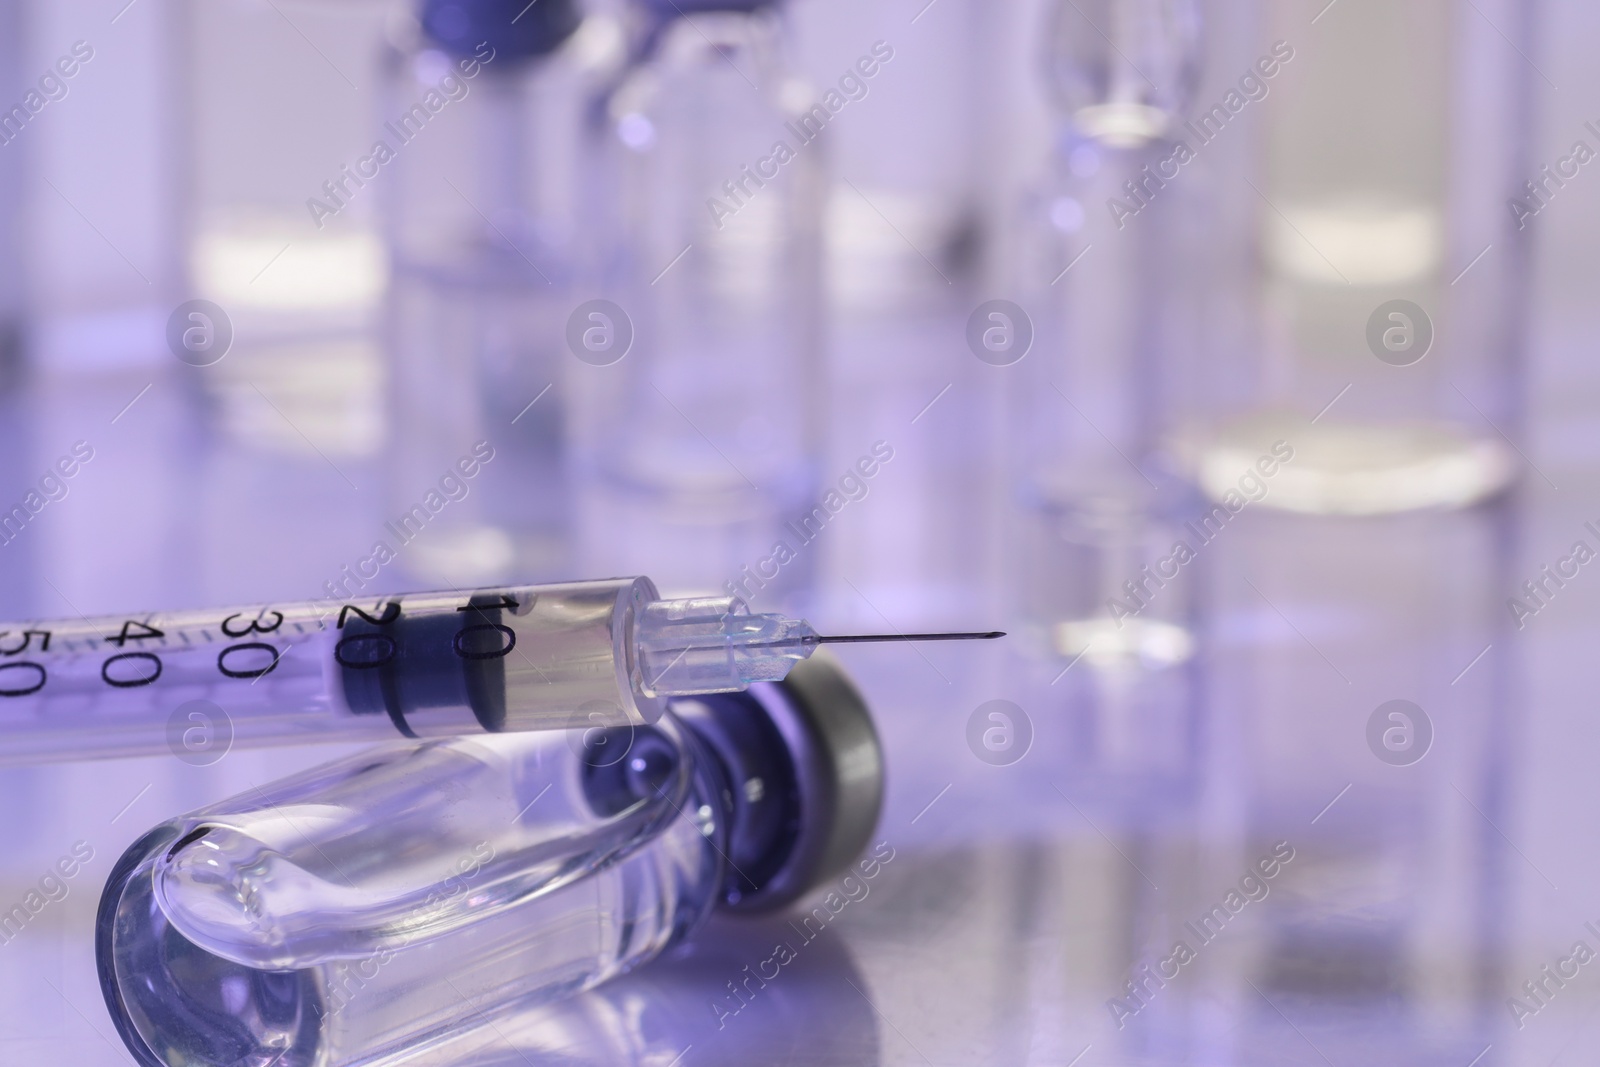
x: 1406, y: 904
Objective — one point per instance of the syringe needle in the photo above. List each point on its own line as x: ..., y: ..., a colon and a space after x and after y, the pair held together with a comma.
x: 810, y: 641
x: 718, y: 646
x: 839, y: 639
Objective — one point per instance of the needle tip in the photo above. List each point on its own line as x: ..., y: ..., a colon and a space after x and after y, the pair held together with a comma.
x: 984, y: 635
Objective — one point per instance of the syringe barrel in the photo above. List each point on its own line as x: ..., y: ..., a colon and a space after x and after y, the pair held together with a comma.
x: 420, y: 664
x: 454, y: 667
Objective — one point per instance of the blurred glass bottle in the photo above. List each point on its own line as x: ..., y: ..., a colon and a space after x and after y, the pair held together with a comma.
x: 18, y: 563
x: 484, y: 101
x: 704, y: 431
x: 13, y: 280
x: 1383, y: 283
x: 902, y: 237
x: 1377, y: 730
x: 1098, y: 517
x: 297, y: 270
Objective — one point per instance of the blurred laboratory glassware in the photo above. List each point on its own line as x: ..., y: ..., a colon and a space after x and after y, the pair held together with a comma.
x: 1360, y: 680
x: 909, y: 127
x: 899, y: 368
x: 1372, y: 260
x: 282, y: 101
x: 704, y: 434
x: 1098, y: 573
x: 480, y: 219
x: 13, y: 155
x: 104, y: 137
x: 487, y: 876
x: 901, y: 240
x: 19, y: 559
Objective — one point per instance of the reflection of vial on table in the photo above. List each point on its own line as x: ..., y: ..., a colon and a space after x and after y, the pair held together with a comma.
x: 710, y: 422
x: 483, y: 108
x: 1386, y: 755
x: 1103, y: 590
x: 364, y: 909
x: 649, y: 1017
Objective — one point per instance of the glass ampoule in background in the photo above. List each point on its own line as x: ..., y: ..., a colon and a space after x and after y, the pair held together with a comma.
x: 1357, y: 667
x: 18, y: 560
x: 703, y: 438
x: 12, y: 177
x: 272, y: 231
x: 1379, y: 207
x: 479, y: 216
x: 902, y: 244
x: 371, y: 907
x: 1096, y: 519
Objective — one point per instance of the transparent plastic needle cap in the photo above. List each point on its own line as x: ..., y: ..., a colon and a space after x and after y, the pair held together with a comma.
x: 715, y: 645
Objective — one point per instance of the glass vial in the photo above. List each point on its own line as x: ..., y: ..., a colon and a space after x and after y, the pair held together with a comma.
x: 705, y: 430
x: 370, y: 907
x: 1385, y: 257
x: 483, y: 113
x: 12, y: 177
x: 270, y: 230
x: 1099, y: 578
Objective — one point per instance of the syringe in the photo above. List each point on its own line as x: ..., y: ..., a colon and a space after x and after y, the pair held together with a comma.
x: 579, y: 654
